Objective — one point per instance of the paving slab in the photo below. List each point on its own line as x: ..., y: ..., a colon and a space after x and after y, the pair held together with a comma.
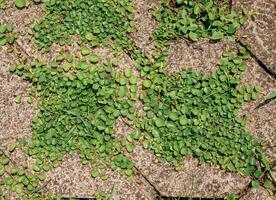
x: 202, y: 55
x: 262, y: 124
x: 259, y: 34
x: 260, y: 120
x: 145, y: 24
x: 258, y: 194
x: 256, y: 75
x: 15, y: 119
x: 191, y: 181
x: 73, y: 179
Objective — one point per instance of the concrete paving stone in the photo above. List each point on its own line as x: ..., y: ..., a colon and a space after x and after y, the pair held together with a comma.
x: 256, y: 75
x: 15, y: 119
x: 73, y: 179
x: 258, y: 194
x: 202, y: 55
x: 191, y: 181
x: 146, y: 24
x: 22, y: 19
x: 262, y: 124
x: 260, y: 34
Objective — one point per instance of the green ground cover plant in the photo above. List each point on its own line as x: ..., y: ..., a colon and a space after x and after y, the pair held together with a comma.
x: 3, y: 5
x: 191, y: 113
x: 187, y: 113
x: 6, y: 35
x: 19, y: 179
x: 79, y: 103
x: 197, y: 19
x: 93, y: 21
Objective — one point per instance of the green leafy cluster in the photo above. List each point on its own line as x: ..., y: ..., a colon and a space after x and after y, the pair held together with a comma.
x: 6, y: 35
x: 3, y: 5
x: 20, y: 4
x: 92, y: 20
x: 186, y: 113
x: 196, y: 19
x: 193, y: 114
x: 18, y: 179
x: 79, y: 103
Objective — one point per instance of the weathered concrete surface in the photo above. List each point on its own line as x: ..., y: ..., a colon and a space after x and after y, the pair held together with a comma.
x: 21, y: 20
x: 262, y: 124
x: 261, y: 120
x: 145, y: 24
x: 201, y: 55
x: 74, y: 179
x: 191, y: 181
x: 257, y: 194
x: 260, y: 34
x: 256, y: 75
x: 15, y: 119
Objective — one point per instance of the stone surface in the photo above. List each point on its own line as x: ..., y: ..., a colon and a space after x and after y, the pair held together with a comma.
x: 256, y: 75
x: 73, y: 179
x: 261, y: 121
x: 192, y: 181
x: 262, y: 124
x: 260, y: 34
x: 257, y: 194
x: 15, y: 118
x: 201, y: 56
x: 145, y: 24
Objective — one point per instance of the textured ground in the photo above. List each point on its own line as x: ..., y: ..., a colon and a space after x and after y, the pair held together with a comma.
x: 152, y: 177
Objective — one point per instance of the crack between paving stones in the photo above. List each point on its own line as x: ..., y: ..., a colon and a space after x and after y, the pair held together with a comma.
x: 230, y: 5
x: 244, y: 191
x: 260, y: 62
x: 265, y: 102
x: 149, y: 182
x: 17, y: 44
x: 23, y: 50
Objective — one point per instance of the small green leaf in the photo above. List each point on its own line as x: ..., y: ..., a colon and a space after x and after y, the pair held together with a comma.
x: 2, y: 170
x: 255, y: 184
x: 130, y: 148
x: 94, y: 59
x: 5, y: 160
x: 95, y: 173
x: 36, y: 168
x: 67, y: 67
x: 20, y: 3
x: 258, y: 174
x: 41, y: 176
x: 193, y: 36
x: 18, y: 99
x: 46, y: 167
x: 267, y: 184
x: 147, y: 83
x: 128, y: 72
x: 85, y: 51
x: 197, y: 9
x: 271, y: 96
x: 217, y: 35
x: 12, y: 69
x: 128, y: 172
x: 12, y: 147
x: 89, y: 36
